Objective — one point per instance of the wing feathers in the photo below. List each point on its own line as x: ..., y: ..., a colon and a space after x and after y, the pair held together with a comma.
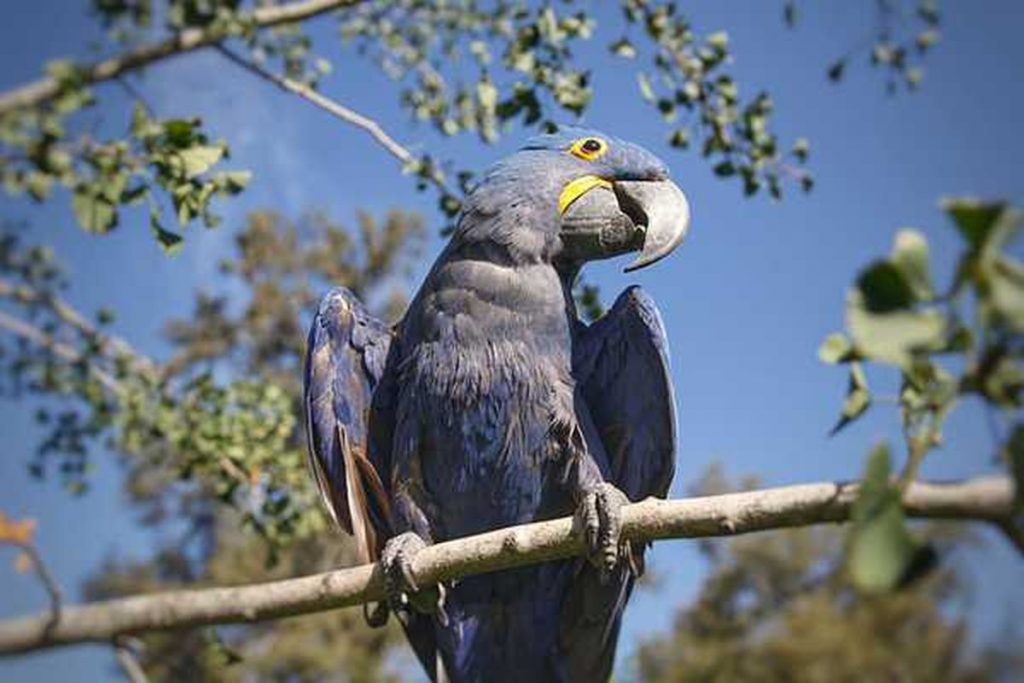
x: 344, y: 361
x: 621, y: 363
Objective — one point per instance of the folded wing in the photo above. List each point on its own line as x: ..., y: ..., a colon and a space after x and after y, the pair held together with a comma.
x: 345, y: 359
x: 621, y: 363
x: 621, y: 367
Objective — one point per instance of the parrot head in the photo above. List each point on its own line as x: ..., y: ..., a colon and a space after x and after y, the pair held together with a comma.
x: 584, y: 196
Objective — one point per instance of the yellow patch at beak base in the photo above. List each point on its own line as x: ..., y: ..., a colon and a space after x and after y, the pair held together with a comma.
x: 575, y: 189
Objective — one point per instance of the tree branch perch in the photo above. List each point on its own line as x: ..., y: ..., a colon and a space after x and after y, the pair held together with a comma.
x: 985, y: 499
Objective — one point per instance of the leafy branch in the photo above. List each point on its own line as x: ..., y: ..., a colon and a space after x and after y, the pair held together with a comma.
x: 53, y: 86
x: 229, y: 439
x: 40, y: 150
x: 963, y: 341
x: 459, y: 67
x: 904, y: 33
x: 689, y: 78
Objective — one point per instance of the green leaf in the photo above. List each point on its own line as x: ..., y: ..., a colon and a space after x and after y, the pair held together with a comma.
x: 858, y: 398
x: 974, y: 219
x: 926, y: 39
x: 323, y: 66
x: 718, y: 40
x: 234, y: 182
x: 113, y: 187
x: 910, y: 257
x: 884, y: 288
x: 667, y: 108
x: 185, y: 208
x: 881, y: 548
x: 623, y: 48
x: 884, y: 53
x: 914, y: 76
x: 790, y: 13
x: 646, y: 91
x: 60, y: 69
x: 200, y: 158
x: 835, y: 349
x: 479, y: 49
x: 724, y: 169
x: 171, y: 242
x: 1006, y: 288
x: 38, y: 185
x: 893, y: 337
x: 180, y: 133
x: 95, y: 214
x: 134, y: 195
x: 487, y: 94
x: 105, y: 316
x: 680, y: 138
x: 142, y: 125
x: 835, y: 71
x: 801, y: 149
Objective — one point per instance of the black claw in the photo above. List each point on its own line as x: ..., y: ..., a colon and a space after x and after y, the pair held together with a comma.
x: 376, y: 614
x: 601, y: 517
x: 403, y: 568
x: 591, y: 522
x: 442, y: 614
x: 403, y: 592
x: 634, y: 559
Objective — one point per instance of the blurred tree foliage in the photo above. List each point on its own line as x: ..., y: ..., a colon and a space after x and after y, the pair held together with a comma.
x: 947, y: 344
x: 209, y: 439
x: 331, y: 646
x: 780, y: 606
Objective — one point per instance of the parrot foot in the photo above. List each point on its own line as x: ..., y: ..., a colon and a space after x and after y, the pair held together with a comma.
x: 600, y: 516
x: 403, y: 593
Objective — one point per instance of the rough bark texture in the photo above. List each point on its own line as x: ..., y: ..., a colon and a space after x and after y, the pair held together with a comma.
x: 986, y: 499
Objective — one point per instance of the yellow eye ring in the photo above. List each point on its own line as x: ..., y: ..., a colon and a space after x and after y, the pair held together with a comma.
x: 589, y: 149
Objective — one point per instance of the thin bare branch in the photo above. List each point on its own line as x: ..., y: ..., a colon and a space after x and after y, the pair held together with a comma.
x: 987, y: 499
x: 68, y: 314
x: 19, y: 534
x: 33, y: 334
x: 49, y: 583
x: 332, y: 107
x: 336, y: 109
x: 44, y: 89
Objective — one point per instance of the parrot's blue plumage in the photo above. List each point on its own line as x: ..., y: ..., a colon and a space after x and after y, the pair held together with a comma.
x: 490, y: 404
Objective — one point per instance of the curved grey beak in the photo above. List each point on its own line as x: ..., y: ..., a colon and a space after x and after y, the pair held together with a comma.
x: 660, y: 210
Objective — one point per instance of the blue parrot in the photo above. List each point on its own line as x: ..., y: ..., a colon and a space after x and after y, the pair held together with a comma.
x: 492, y: 404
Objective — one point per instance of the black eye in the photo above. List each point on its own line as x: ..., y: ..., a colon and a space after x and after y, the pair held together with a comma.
x: 591, y: 145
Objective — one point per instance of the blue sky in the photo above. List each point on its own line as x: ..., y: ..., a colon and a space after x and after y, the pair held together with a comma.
x: 746, y: 300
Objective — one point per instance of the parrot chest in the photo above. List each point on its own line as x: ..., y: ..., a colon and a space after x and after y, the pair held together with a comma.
x: 482, y: 388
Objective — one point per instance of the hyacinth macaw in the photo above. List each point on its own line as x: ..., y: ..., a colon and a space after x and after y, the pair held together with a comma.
x: 491, y: 404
